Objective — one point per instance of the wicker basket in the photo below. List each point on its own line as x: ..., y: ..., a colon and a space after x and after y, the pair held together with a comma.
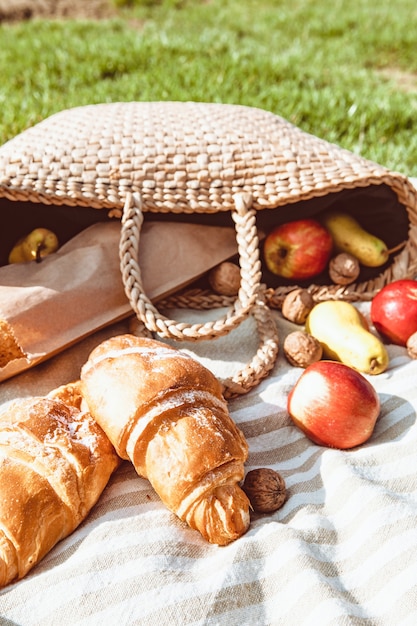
x: 217, y: 163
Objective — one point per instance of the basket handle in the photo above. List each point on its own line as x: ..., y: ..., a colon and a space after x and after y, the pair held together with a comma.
x: 250, y: 270
x: 261, y: 363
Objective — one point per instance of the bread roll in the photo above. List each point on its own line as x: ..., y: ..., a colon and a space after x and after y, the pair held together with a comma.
x: 165, y: 412
x: 9, y: 346
x: 54, y: 463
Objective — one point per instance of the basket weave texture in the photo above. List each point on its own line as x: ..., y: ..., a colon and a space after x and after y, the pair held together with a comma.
x: 181, y: 157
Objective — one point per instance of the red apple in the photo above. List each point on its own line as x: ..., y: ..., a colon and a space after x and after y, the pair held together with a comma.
x: 298, y: 250
x: 334, y: 405
x: 394, y: 310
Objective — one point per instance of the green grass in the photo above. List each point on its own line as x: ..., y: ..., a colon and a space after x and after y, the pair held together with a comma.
x: 342, y: 70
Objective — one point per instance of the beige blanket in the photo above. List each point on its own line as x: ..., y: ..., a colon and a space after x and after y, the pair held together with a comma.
x: 342, y: 550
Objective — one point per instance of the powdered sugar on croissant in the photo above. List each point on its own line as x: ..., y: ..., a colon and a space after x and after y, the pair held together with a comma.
x: 165, y: 412
x: 54, y: 463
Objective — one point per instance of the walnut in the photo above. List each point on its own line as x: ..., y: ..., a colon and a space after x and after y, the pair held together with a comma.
x: 344, y: 269
x: 412, y: 346
x: 297, y: 305
x: 265, y: 489
x: 224, y: 279
x: 302, y: 349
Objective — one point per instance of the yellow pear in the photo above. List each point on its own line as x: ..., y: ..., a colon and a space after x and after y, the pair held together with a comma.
x: 344, y: 336
x: 39, y: 243
x: 349, y: 236
x: 34, y: 247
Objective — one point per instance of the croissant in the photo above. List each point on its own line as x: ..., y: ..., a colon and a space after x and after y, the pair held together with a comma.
x: 165, y: 412
x: 54, y: 463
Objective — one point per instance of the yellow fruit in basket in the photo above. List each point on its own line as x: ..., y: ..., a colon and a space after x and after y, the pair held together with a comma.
x: 35, y: 246
x: 349, y: 236
x: 39, y: 243
x: 344, y: 336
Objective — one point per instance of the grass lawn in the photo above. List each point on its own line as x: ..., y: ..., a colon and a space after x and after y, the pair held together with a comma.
x: 344, y: 71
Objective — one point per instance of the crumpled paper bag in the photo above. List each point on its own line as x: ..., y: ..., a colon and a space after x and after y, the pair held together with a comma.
x: 51, y: 305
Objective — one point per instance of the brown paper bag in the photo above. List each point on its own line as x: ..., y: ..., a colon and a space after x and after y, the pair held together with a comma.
x: 53, y: 304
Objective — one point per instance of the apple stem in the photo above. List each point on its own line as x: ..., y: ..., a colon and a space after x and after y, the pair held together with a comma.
x: 398, y: 247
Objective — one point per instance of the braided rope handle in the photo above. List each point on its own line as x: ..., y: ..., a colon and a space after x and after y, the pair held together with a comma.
x: 250, y: 268
x: 262, y: 361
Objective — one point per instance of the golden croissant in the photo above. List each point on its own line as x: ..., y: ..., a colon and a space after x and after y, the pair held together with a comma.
x: 165, y: 412
x: 54, y: 463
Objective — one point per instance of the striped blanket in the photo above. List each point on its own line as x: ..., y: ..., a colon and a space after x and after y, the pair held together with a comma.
x: 342, y: 550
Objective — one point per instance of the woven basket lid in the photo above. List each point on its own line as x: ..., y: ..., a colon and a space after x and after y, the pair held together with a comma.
x: 181, y: 156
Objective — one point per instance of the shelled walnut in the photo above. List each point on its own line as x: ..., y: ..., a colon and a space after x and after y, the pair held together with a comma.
x: 297, y: 305
x: 224, y: 279
x: 344, y: 269
x: 302, y: 349
x: 265, y: 489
